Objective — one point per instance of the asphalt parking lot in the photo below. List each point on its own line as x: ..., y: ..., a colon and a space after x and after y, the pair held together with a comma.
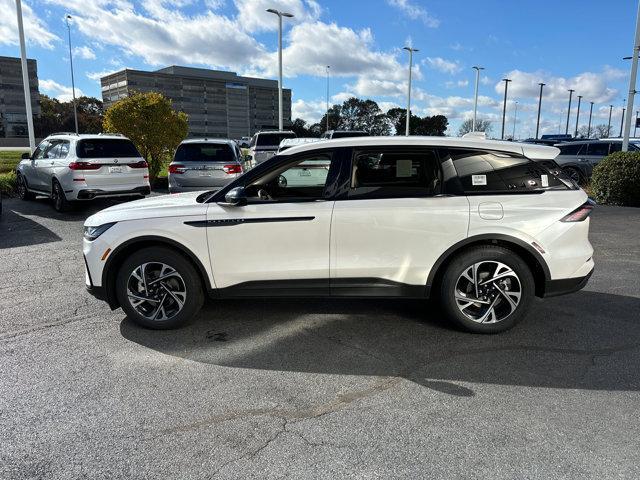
x: 311, y: 388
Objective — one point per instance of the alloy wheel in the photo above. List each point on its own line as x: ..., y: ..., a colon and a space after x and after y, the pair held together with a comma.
x: 488, y: 292
x: 21, y: 187
x: 156, y: 291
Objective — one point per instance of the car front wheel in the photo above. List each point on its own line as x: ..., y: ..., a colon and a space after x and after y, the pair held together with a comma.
x: 158, y: 288
x: 487, y: 289
x: 21, y: 189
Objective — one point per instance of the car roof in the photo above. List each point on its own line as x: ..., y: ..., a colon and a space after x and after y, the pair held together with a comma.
x: 531, y: 151
x: 86, y: 136
x: 208, y: 140
x: 298, y: 140
x: 274, y: 131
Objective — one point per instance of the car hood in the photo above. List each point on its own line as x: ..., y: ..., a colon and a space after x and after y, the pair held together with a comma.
x: 174, y: 205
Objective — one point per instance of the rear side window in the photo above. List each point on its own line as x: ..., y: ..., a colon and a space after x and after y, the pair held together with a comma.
x: 495, y: 172
x: 600, y: 149
x: 204, y: 152
x: 570, y: 148
x: 272, y: 139
x: 389, y: 174
x: 106, y: 148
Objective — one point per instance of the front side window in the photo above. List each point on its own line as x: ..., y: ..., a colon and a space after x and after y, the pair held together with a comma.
x: 40, y: 151
x: 54, y: 149
x: 303, y: 180
x: 106, y: 148
x: 395, y: 173
x: 570, y: 148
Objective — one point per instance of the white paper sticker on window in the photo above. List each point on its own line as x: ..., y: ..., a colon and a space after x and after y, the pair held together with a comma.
x: 403, y: 168
x: 479, y: 180
x: 545, y: 180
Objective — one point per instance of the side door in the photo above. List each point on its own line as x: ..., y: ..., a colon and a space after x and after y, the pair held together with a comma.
x: 47, y: 166
x: 394, y: 222
x: 34, y: 179
x: 596, y: 151
x: 277, y: 244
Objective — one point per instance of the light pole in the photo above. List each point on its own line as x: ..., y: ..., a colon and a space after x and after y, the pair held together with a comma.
x: 566, y: 130
x: 504, y: 106
x: 73, y: 85
x: 328, y: 67
x: 609, y: 124
x: 632, y: 84
x: 515, y: 118
x: 280, y: 15
x: 589, y: 127
x: 410, y: 50
x: 622, y: 118
x: 539, y: 108
x: 475, y: 102
x: 635, y: 126
x: 25, y: 78
x: 578, y: 115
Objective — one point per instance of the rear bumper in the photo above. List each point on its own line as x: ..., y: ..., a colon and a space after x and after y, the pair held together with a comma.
x: 553, y: 288
x: 90, y: 193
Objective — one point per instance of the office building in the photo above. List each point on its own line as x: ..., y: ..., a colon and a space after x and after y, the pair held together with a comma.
x: 13, y: 112
x: 218, y: 103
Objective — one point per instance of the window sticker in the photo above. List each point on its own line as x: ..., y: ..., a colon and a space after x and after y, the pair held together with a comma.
x: 404, y: 168
x: 479, y: 180
x: 545, y: 180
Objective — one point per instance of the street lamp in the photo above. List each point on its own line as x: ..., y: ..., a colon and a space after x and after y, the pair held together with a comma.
x: 515, y: 118
x: 539, y: 108
x: 504, y: 107
x: 632, y: 84
x: 624, y: 100
x: 589, y: 127
x: 25, y: 78
x: 566, y: 130
x: 73, y: 85
x: 410, y: 50
x: 609, y: 124
x: 280, y: 15
x: 578, y: 115
x: 328, y: 67
x: 475, y: 102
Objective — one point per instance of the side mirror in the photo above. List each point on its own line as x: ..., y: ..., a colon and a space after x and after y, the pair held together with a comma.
x: 25, y: 156
x: 236, y: 197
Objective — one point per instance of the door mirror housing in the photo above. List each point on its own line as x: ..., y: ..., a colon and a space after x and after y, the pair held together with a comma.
x: 25, y: 156
x: 236, y: 197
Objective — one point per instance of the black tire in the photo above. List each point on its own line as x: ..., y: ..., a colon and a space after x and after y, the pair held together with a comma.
x: 574, y: 174
x: 60, y: 202
x: 21, y: 189
x: 189, y: 280
x: 486, y: 256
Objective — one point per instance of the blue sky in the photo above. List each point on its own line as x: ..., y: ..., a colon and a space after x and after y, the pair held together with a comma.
x: 566, y: 44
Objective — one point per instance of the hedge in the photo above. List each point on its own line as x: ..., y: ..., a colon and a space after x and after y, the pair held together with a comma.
x: 616, y: 179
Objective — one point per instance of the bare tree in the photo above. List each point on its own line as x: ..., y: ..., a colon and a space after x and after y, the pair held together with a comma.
x: 602, y: 131
x: 481, y: 126
x: 583, y: 132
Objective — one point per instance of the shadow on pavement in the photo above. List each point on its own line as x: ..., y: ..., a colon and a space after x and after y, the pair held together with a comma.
x: 19, y: 231
x: 583, y: 341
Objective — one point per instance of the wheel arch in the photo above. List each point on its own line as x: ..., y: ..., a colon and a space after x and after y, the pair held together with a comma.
x: 120, y: 253
x: 533, y: 259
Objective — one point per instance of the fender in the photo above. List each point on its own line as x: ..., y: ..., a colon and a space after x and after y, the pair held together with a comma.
x: 109, y: 273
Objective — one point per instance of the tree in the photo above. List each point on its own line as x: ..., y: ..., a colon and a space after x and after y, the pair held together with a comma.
x: 481, y: 126
x: 602, y: 131
x: 57, y: 116
x: 433, y: 126
x: 302, y: 129
x: 583, y: 132
x: 357, y: 114
x: 151, y: 123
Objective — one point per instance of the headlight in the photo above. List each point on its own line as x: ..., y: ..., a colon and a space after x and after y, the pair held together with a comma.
x: 91, y: 233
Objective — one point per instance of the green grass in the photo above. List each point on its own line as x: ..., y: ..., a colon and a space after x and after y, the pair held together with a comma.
x: 7, y: 183
x: 8, y: 162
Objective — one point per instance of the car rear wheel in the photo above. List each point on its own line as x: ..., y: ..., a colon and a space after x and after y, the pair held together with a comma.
x: 574, y: 174
x: 60, y: 202
x: 21, y: 189
x: 158, y: 288
x: 487, y: 289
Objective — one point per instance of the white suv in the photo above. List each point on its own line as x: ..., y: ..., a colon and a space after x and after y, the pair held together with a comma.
x: 474, y: 223
x: 69, y: 167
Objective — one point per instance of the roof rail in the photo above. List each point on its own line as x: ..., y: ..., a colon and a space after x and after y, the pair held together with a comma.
x: 112, y: 134
x: 63, y: 133
x: 475, y: 135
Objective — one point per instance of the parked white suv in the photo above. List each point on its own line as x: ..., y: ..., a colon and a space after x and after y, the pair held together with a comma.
x: 264, y: 145
x: 69, y: 167
x: 474, y: 223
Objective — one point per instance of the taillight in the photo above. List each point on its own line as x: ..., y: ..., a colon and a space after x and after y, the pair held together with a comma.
x: 177, y: 169
x: 580, y: 214
x: 84, y: 166
x: 233, y: 168
x: 140, y: 164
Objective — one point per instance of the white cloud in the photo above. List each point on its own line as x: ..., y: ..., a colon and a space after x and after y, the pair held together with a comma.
x: 342, y: 97
x: 84, y: 52
x: 459, y: 83
x: 214, y: 4
x: 311, y: 111
x: 61, y: 92
x: 103, y: 73
x: 35, y: 30
x: 415, y: 12
x: 253, y: 15
x: 442, y: 65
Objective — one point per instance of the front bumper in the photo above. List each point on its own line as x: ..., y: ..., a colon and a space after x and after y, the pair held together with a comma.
x: 553, y: 288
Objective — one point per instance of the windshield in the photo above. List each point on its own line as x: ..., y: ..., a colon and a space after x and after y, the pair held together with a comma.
x: 106, y: 148
x: 204, y: 152
x: 273, y: 139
